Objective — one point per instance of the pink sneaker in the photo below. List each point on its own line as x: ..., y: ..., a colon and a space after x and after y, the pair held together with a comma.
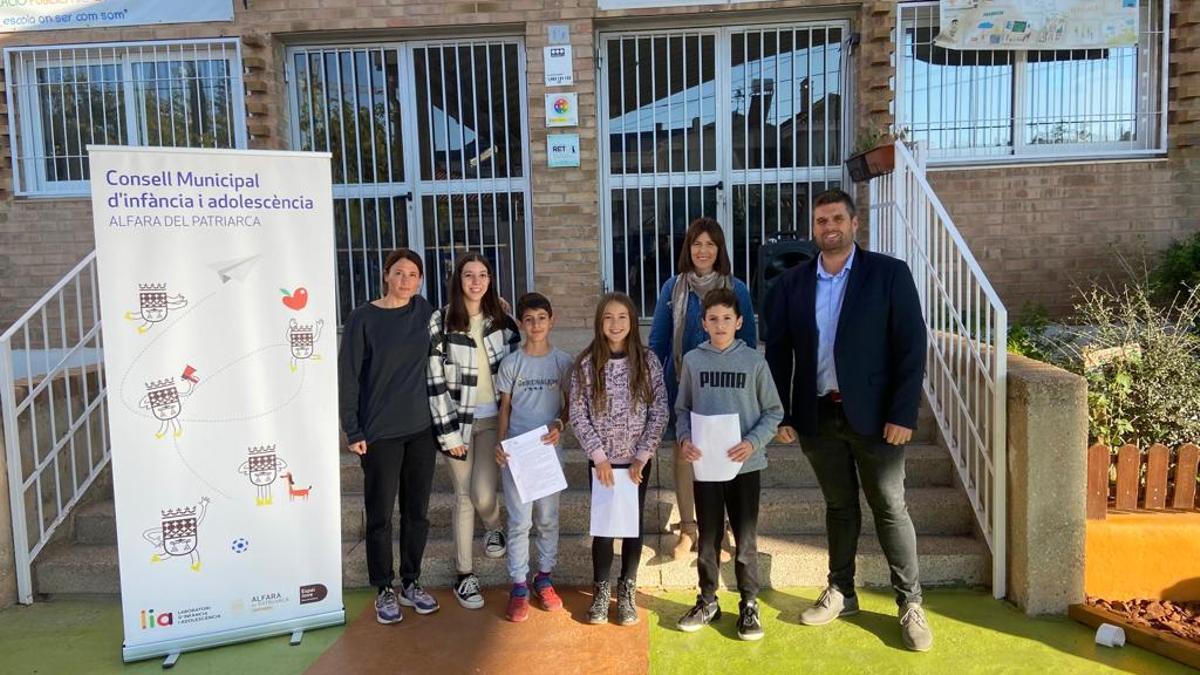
x: 547, y: 596
x: 518, y: 607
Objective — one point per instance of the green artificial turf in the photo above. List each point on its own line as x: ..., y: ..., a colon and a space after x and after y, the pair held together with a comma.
x: 972, y: 634
x: 84, y: 636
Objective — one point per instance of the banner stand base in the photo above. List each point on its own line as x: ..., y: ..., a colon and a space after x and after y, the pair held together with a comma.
x: 173, y: 648
x: 297, y: 636
x: 170, y: 661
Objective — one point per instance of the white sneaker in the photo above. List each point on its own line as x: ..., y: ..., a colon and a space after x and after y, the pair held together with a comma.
x: 467, y: 592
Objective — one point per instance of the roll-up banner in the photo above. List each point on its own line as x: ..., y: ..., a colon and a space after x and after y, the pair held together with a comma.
x: 216, y: 280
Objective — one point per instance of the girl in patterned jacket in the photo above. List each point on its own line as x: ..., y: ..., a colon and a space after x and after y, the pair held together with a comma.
x: 618, y: 411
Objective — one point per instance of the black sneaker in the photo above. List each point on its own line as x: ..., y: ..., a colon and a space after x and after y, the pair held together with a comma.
x: 748, y: 625
x: 467, y: 592
x: 700, y: 615
x: 494, y: 543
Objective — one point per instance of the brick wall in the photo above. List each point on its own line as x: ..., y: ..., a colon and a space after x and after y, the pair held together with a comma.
x: 41, y: 239
x: 1084, y: 209
x: 1039, y: 232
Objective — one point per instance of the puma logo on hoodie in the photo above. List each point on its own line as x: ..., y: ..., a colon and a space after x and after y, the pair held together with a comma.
x: 722, y: 379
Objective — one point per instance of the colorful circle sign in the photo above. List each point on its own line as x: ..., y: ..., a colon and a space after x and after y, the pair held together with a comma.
x: 561, y: 105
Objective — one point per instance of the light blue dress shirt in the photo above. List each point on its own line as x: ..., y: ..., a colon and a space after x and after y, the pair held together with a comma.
x: 831, y: 290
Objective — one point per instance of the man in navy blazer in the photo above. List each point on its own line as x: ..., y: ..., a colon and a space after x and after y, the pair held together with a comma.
x: 846, y: 345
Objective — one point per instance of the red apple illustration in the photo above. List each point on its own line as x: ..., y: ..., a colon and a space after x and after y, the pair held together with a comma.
x: 297, y: 299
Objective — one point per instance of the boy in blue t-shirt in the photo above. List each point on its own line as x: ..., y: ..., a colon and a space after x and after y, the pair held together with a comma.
x: 532, y: 385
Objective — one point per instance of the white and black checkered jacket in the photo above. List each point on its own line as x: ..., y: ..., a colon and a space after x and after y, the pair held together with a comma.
x: 453, y: 375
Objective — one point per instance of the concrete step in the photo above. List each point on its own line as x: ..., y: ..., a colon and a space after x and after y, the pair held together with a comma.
x: 935, y: 511
x: 784, y: 561
x: 926, y: 465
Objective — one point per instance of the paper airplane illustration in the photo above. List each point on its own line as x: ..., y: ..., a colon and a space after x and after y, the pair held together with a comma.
x: 235, y: 268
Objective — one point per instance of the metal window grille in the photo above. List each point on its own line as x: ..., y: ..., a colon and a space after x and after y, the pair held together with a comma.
x: 429, y: 152
x: 980, y: 105
x: 173, y: 94
x: 695, y: 117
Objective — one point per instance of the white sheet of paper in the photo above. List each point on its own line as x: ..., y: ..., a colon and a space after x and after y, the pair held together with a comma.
x: 714, y: 436
x: 534, y: 464
x: 615, y: 509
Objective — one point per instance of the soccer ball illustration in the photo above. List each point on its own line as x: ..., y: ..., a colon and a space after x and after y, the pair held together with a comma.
x: 240, y: 545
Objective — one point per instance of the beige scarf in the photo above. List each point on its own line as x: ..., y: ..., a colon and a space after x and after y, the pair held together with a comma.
x: 700, y: 285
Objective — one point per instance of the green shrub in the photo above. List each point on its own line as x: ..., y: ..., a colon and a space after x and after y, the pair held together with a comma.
x: 1178, y: 271
x: 1026, y: 334
x: 1142, y: 364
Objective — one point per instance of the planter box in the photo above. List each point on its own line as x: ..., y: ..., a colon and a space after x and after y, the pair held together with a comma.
x: 875, y: 162
x: 1165, y: 644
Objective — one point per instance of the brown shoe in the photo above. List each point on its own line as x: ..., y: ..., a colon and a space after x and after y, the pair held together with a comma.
x: 688, y: 533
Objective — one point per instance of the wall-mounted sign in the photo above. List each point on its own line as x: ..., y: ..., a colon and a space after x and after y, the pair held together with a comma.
x: 562, y: 110
x: 21, y: 15
x: 558, y: 34
x: 559, y: 72
x: 562, y: 150
x: 1038, y: 24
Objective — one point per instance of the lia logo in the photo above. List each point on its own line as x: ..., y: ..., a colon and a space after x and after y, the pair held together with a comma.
x: 161, y: 620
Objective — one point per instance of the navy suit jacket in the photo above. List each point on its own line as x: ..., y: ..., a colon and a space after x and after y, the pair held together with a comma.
x: 879, y: 351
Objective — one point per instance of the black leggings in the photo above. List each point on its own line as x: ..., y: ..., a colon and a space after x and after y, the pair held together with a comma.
x: 631, y: 547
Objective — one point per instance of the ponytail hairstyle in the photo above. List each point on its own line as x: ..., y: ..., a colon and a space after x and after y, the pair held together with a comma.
x: 597, y: 355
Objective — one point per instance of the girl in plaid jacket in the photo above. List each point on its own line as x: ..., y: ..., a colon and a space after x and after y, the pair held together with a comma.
x: 468, y: 339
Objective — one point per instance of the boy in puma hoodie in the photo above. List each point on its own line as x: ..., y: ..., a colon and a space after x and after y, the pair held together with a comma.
x: 724, y: 376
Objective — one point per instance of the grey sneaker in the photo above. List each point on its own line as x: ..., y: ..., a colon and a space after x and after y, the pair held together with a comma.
x: 601, y: 597
x: 626, y: 609
x: 914, y: 627
x: 467, y: 592
x: 831, y: 605
x: 493, y: 543
x: 416, y: 597
x: 387, y: 610
x: 700, y: 615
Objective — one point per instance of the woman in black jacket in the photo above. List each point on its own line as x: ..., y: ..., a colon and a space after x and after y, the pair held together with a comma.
x: 385, y: 414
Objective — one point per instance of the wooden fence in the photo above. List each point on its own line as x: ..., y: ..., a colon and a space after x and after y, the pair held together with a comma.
x: 1141, y: 485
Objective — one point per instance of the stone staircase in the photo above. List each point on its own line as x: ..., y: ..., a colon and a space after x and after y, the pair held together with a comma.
x: 791, y: 530
x: 791, y: 526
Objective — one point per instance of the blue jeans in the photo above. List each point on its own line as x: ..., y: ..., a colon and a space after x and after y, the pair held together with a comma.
x: 522, y: 517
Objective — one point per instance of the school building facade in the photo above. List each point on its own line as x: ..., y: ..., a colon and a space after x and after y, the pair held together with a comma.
x: 438, y: 115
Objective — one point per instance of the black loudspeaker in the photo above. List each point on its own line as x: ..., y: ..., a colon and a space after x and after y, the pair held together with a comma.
x: 781, y: 253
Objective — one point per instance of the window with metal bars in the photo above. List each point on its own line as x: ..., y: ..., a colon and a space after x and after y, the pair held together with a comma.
x: 169, y: 94
x: 972, y: 106
x: 429, y: 152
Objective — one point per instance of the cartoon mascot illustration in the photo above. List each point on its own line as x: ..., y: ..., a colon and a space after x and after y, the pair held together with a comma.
x: 303, y: 339
x: 262, y: 466
x: 154, y: 304
x: 163, y: 400
x: 176, y: 537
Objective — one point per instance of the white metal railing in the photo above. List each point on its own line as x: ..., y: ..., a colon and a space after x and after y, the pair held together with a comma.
x: 52, y: 398
x: 968, y: 335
